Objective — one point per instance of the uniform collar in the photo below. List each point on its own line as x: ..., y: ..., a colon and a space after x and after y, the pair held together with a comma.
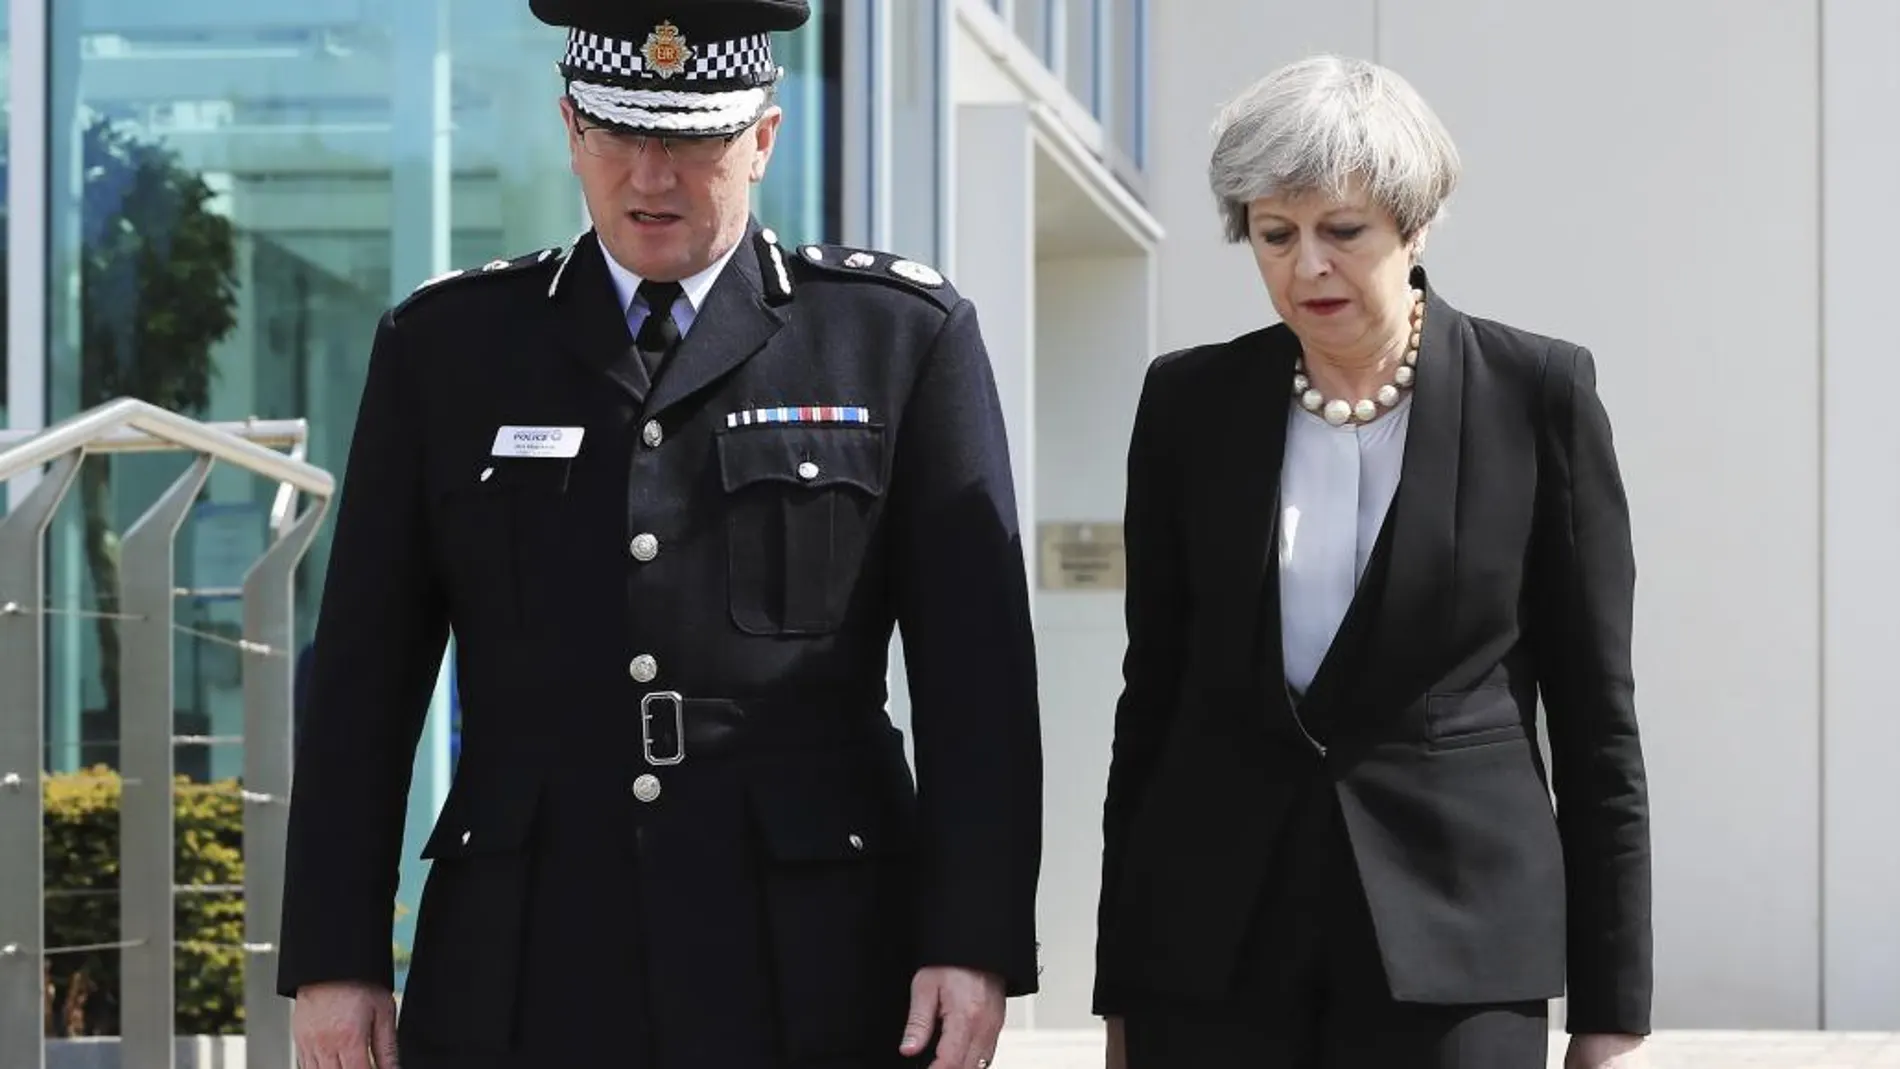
x: 696, y: 287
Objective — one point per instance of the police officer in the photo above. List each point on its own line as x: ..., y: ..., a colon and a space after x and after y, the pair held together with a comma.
x: 672, y: 488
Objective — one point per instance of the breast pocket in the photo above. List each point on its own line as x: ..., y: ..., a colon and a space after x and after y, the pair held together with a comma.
x: 486, y: 517
x: 803, y: 503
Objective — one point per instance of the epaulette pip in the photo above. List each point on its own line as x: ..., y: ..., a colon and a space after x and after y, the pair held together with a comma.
x: 492, y: 269
x: 880, y: 267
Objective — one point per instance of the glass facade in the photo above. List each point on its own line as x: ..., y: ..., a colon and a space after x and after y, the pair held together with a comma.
x: 1099, y: 48
x: 1081, y: 52
x: 917, y: 119
x: 6, y: 109
x: 1124, y: 98
x: 1033, y: 18
x: 237, y: 189
x: 800, y: 196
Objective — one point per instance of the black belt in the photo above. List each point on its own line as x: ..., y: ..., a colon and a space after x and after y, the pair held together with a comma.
x: 673, y: 726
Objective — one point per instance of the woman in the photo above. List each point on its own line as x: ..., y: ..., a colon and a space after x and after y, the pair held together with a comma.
x: 1361, y: 544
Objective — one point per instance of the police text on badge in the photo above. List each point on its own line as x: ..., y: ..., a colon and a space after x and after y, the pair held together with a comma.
x: 551, y: 442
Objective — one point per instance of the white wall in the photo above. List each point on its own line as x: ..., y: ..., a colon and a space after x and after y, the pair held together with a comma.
x: 1068, y: 333
x: 1209, y: 291
x: 1620, y: 196
x: 1644, y: 177
x: 1093, y: 337
x: 996, y: 217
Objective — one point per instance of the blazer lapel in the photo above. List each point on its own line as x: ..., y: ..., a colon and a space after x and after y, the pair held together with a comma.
x: 1247, y: 427
x: 593, y: 325
x: 1402, y: 631
x: 1398, y: 611
x: 734, y: 323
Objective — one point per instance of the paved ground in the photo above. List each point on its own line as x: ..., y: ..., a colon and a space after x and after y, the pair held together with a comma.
x: 1669, y: 1050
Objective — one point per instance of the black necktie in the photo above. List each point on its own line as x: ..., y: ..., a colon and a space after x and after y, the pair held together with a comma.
x: 658, y: 334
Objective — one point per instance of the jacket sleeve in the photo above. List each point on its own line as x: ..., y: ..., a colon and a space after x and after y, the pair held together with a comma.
x: 379, y: 643
x: 1583, y: 594
x: 1156, y: 609
x: 962, y: 603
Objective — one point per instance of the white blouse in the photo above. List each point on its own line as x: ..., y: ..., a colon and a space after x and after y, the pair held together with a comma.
x: 1336, y: 484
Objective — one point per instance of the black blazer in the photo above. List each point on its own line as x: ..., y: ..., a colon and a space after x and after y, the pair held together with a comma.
x: 1504, y: 573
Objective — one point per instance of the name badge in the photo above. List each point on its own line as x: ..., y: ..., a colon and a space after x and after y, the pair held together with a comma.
x: 554, y: 443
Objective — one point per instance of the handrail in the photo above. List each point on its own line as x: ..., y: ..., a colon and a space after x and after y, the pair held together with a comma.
x: 275, y: 433
x: 106, y: 420
x: 147, y: 600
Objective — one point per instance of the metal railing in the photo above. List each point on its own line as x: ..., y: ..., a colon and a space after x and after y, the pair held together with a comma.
x: 146, y: 600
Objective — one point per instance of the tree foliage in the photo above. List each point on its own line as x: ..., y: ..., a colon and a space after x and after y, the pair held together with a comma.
x: 82, y: 905
x: 157, y: 292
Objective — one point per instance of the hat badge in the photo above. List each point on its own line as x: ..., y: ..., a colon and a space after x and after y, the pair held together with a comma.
x: 666, y: 51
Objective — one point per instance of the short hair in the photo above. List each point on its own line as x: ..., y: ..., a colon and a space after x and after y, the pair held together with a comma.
x: 1315, y: 125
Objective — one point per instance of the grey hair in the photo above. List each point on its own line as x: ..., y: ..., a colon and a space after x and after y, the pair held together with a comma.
x: 1316, y: 125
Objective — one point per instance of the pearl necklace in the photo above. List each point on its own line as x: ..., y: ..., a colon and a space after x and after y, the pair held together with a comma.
x: 1339, y: 411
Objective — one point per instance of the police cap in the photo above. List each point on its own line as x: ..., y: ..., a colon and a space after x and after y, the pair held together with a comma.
x: 684, y: 68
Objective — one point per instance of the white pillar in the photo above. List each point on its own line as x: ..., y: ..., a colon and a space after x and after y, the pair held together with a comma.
x: 996, y: 265
x: 1096, y: 332
x: 995, y: 252
x: 26, y: 219
x: 1860, y: 92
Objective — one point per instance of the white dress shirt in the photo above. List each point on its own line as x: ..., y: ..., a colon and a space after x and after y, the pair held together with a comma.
x: 685, y: 310
x: 1336, y: 484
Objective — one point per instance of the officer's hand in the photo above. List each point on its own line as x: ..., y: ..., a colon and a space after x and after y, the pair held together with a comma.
x: 970, y: 1006
x: 344, y: 1026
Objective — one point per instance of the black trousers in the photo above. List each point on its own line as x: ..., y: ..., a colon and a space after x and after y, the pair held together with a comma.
x: 1311, y: 992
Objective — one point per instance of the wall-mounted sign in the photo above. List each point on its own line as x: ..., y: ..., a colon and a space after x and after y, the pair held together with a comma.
x: 1081, y: 556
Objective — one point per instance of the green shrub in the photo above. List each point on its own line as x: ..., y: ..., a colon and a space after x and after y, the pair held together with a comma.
x: 82, y: 905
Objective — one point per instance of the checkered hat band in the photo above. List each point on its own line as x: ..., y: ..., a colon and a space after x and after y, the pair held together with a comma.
x: 658, y: 109
x: 741, y: 59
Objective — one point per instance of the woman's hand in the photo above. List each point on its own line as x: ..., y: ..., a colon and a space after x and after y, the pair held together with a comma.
x: 1606, y: 1052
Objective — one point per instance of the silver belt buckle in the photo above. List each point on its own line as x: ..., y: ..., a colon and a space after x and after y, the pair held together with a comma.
x: 679, y: 727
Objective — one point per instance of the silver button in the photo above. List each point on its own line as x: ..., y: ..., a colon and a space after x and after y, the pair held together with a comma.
x: 808, y: 471
x: 857, y: 842
x: 647, y: 788
x: 466, y: 836
x: 487, y: 474
x: 653, y: 434
x: 645, y: 547
x: 644, y: 669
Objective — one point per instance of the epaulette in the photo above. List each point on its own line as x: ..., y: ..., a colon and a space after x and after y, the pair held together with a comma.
x: 877, y: 266
x: 492, y: 269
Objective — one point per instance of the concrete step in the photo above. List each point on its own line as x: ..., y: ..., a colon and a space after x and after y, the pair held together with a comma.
x: 1082, y: 1049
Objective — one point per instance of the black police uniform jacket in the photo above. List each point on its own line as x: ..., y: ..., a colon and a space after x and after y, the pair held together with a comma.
x: 746, y: 874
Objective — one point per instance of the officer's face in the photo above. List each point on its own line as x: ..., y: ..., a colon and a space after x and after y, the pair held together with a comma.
x: 666, y: 212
